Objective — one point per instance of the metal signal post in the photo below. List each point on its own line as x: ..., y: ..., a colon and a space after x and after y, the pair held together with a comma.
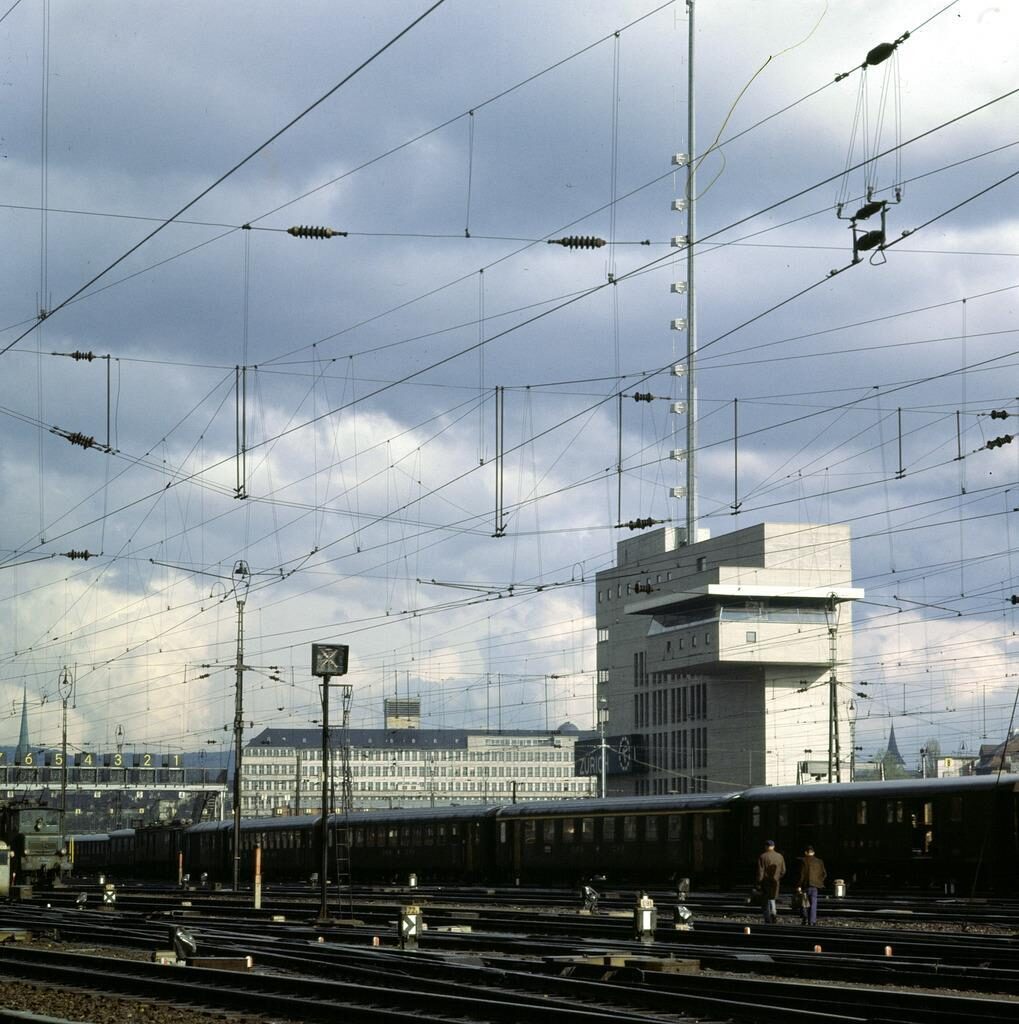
x: 327, y: 660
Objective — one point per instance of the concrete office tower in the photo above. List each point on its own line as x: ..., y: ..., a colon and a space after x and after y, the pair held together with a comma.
x: 715, y: 658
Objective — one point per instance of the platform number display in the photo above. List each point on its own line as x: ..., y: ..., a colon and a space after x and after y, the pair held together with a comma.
x: 145, y: 760
x: 173, y: 761
x: 114, y: 761
x: 27, y: 759
x: 86, y: 759
x: 55, y: 759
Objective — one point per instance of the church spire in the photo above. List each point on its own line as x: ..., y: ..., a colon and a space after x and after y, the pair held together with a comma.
x: 23, y: 744
x: 893, y: 747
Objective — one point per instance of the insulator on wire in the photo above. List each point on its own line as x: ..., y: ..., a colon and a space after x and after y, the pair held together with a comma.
x: 870, y: 240
x: 578, y: 242
x: 643, y: 396
x: 869, y: 209
x: 310, y: 231
x: 998, y: 442
x: 880, y: 53
x: 642, y: 588
x: 999, y: 414
x: 639, y: 524
x: 82, y: 440
x: 78, y: 356
x: 74, y: 555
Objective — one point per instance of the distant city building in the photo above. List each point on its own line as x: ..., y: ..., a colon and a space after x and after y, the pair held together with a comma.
x: 995, y: 757
x: 23, y: 744
x: 410, y: 767
x: 402, y: 713
x: 714, y: 658
x: 893, y: 748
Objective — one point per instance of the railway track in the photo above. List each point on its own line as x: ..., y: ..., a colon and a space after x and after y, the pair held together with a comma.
x: 517, y: 958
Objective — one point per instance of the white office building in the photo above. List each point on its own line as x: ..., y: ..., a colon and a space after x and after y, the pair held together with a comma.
x: 410, y: 767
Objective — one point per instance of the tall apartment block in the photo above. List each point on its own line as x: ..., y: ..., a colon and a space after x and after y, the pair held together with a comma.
x: 716, y: 658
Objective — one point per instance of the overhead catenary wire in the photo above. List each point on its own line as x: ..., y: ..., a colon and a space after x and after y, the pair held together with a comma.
x: 236, y: 167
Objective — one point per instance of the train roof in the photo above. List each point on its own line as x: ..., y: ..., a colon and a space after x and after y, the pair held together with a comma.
x: 621, y: 805
x: 271, y: 824
x: 91, y: 837
x: 890, y: 789
x: 121, y: 833
x: 459, y: 811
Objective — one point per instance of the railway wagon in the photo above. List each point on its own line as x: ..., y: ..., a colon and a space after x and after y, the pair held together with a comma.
x: 288, y: 848
x: 446, y: 844
x: 158, y: 850
x: 645, y: 840
x: 90, y: 854
x: 900, y: 834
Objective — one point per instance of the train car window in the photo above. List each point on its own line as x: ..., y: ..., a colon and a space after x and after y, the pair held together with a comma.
x: 928, y: 813
x: 608, y: 830
x: 955, y: 808
x: 502, y: 831
x: 900, y: 812
x: 548, y: 831
x: 587, y: 830
x: 415, y: 835
x: 454, y: 831
x: 861, y: 812
x: 359, y: 837
x: 675, y: 827
x: 442, y: 834
x: 651, y: 829
x: 429, y: 835
x: 569, y: 829
x: 629, y: 828
x: 890, y: 812
x: 394, y: 837
x: 783, y: 815
x: 405, y: 835
x: 530, y: 832
x: 709, y: 827
x: 755, y: 816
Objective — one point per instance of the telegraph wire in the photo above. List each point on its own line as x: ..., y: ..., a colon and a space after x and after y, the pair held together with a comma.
x: 272, y: 138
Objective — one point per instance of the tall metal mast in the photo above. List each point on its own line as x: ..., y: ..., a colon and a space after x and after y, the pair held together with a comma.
x: 691, y: 324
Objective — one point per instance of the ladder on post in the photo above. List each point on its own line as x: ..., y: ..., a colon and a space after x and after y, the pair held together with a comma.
x: 343, y: 839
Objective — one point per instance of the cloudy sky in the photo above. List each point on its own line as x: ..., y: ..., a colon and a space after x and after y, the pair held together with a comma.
x: 371, y: 360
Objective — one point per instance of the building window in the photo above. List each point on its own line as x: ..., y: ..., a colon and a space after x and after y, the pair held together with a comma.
x: 603, y: 634
x: 751, y: 636
x: 603, y: 675
x: 702, y: 563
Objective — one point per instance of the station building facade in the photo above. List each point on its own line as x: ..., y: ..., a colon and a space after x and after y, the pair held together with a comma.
x: 281, y: 769
x: 714, y: 659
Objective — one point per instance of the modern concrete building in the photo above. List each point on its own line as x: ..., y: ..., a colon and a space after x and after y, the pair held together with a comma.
x: 410, y: 767
x: 715, y: 658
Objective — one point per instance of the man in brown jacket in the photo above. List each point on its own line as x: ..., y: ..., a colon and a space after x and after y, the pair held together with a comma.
x: 812, y: 876
x: 770, y: 869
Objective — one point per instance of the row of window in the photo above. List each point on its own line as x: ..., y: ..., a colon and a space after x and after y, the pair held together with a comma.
x: 257, y: 767
x: 687, y: 703
x: 631, y: 588
x: 896, y: 812
x: 628, y: 828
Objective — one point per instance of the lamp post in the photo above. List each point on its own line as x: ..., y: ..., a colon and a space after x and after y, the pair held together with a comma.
x: 241, y: 574
x: 327, y: 660
x: 66, y: 688
x: 603, y: 718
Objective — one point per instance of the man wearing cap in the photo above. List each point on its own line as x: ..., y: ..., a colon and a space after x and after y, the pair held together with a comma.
x: 812, y: 876
x: 770, y: 869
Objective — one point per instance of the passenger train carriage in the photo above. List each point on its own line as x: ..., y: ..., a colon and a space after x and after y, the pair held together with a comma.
x: 890, y: 834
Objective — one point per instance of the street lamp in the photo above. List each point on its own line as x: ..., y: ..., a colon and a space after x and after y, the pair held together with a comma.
x: 603, y: 718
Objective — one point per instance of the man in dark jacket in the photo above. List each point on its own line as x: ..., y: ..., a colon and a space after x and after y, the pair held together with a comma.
x: 812, y: 876
x: 770, y: 869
